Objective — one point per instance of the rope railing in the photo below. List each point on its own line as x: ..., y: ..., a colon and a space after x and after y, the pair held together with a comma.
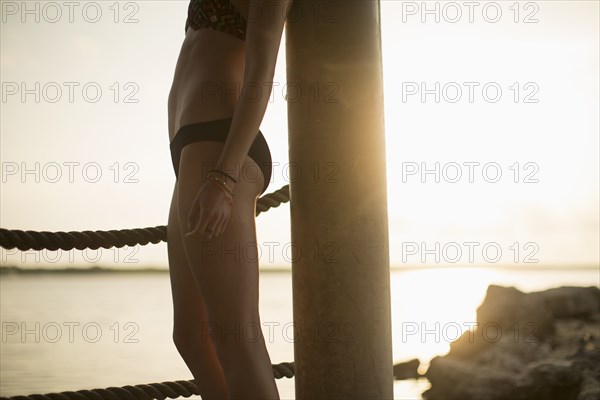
x: 33, y: 240
x: 163, y: 390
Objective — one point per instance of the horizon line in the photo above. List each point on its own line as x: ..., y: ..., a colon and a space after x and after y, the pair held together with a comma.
x: 288, y: 269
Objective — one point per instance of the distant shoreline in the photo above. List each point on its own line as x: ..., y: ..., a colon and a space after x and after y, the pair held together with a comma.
x: 74, y: 270
x: 14, y: 270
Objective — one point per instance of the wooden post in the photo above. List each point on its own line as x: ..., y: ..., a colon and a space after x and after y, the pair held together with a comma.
x: 340, y: 255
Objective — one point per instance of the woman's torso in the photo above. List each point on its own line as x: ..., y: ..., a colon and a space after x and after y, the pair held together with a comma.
x: 208, y: 78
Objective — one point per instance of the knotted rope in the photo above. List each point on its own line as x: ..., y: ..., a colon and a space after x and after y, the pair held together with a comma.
x: 33, y: 240
x: 163, y: 390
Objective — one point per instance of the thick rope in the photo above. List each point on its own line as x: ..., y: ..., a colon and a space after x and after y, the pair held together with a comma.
x: 163, y: 390
x: 273, y: 200
x: 33, y: 240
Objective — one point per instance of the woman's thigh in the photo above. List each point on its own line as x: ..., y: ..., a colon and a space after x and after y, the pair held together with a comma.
x: 188, y: 304
x: 226, y: 267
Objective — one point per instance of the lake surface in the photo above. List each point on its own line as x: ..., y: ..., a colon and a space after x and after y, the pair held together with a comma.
x: 82, y: 331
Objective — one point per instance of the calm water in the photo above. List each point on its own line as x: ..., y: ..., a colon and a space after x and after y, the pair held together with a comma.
x: 113, y: 330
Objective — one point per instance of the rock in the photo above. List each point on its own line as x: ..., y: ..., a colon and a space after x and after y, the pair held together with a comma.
x: 554, y: 379
x: 507, y: 308
x: 558, y: 360
x: 571, y: 302
x: 557, y: 372
x: 407, y: 370
x: 456, y: 379
x: 588, y: 351
x: 508, y: 345
x: 590, y: 388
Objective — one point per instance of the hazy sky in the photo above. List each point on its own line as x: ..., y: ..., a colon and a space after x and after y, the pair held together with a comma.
x: 497, y: 100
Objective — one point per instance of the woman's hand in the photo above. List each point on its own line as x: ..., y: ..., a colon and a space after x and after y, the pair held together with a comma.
x: 210, y: 211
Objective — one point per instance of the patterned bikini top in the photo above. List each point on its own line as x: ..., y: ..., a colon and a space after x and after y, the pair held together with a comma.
x: 219, y: 15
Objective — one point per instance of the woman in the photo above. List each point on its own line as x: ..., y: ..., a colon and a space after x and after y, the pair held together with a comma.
x: 222, y: 163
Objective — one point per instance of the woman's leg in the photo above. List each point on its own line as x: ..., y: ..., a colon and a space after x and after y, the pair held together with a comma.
x: 189, y: 314
x: 226, y: 270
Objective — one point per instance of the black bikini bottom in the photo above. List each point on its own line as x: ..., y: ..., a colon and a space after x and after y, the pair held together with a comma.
x: 217, y: 130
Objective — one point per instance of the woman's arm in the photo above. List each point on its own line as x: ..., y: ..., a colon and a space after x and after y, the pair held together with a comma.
x: 266, y: 19
x: 209, y: 213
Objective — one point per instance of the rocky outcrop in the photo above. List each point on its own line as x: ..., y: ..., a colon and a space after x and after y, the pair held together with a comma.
x: 542, y: 345
x: 407, y: 370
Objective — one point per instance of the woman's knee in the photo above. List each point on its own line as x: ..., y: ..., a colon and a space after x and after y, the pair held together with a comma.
x: 239, y: 348
x: 187, y: 339
x: 182, y: 342
x: 182, y: 335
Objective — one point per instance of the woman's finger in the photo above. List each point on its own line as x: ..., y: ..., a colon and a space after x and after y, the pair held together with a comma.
x: 196, y: 226
x: 208, y: 229
x: 211, y: 231
x: 193, y: 230
x: 203, y: 220
x: 218, y: 225
x: 223, y: 224
x: 192, y: 216
x: 220, y: 228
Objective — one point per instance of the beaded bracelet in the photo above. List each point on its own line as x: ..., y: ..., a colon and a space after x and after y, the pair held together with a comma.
x: 220, y: 183
x: 224, y: 174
